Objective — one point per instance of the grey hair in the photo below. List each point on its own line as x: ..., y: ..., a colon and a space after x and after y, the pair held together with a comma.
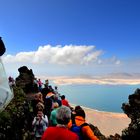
x: 63, y: 115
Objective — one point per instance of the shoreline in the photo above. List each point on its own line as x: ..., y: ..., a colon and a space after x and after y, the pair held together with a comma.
x: 109, y: 123
x: 99, y: 110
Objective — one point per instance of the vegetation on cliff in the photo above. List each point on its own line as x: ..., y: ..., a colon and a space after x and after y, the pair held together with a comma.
x: 12, y: 119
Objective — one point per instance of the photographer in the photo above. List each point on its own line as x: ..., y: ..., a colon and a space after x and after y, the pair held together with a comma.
x: 40, y: 124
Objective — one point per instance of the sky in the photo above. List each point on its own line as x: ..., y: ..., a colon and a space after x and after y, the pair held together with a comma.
x: 73, y: 41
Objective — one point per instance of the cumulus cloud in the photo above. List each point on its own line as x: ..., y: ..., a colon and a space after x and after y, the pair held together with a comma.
x: 68, y: 54
x: 108, y: 61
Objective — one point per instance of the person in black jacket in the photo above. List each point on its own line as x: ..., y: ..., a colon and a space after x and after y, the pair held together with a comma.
x: 2, y: 47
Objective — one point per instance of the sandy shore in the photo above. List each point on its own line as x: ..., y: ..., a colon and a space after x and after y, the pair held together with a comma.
x: 108, y: 123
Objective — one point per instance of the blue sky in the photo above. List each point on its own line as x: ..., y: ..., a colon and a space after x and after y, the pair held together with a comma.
x: 107, y: 33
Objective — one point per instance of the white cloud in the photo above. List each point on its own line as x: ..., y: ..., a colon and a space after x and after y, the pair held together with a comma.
x: 115, y: 60
x: 111, y: 60
x: 68, y: 54
x: 118, y: 62
x: 62, y: 55
x: 62, y: 60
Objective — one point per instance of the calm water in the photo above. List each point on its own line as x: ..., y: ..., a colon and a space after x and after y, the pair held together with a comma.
x: 101, y: 97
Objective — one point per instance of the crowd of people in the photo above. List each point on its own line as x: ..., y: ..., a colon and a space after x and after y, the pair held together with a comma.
x: 54, y: 118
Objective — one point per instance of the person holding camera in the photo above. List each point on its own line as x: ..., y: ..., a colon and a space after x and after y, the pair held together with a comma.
x: 40, y: 124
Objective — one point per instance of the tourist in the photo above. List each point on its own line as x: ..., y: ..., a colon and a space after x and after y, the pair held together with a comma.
x: 39, y: 82
x: 60, y: 132
x: 56, y: 99
x: 80, y: 116
x: 40, y: 106
x: 45, y: 91
x: 64, y: 101
x: 11, y: 82
x: 49, y: 104
x: 40, y: 124
x: 53, y: 121
x: 37, y: 98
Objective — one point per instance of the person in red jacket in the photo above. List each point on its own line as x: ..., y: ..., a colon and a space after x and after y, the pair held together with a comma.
x: 60, y: 132
x: 64, y: 101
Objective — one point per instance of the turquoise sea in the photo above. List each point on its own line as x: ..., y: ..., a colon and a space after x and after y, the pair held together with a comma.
x: 101, y: 97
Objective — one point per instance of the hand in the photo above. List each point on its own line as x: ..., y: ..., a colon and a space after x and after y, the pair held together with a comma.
x: 37, y: 118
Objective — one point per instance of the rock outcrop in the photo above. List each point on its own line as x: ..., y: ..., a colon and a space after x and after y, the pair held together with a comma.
x: 97, y: 132
x: 16, y: 119
x: 25, y: 80
x: 132, y: 109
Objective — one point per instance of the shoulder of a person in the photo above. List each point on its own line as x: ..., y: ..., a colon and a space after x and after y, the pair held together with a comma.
x: 45, y: 116
x: 86, y: 127
x: 74, y: 135
x: 50, y: 128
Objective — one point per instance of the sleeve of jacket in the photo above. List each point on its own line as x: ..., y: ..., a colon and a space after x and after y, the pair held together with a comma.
x: 45, y: 119
x: 34, y: 121
x: 69, y: 124
x: 89, y: 133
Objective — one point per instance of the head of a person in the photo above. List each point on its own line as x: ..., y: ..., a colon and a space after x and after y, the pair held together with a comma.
x: 55, y: 105
x: 77, y: 107
x: 40, y: 96
x: 36, y: 96
x: 40, y: 106
x: 63, y: 115
x: 63, y: 97
x: 50, y: 88
x: 55, y: 88
x: 55, y: 97
x: 47, y: 81
x: 39, y: 113
x: 80, y: 112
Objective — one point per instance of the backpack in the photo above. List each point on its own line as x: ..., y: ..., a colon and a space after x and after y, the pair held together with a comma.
x: 78, y: 129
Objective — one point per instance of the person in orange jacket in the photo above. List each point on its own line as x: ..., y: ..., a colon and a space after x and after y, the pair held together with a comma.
x: 79, y: 117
